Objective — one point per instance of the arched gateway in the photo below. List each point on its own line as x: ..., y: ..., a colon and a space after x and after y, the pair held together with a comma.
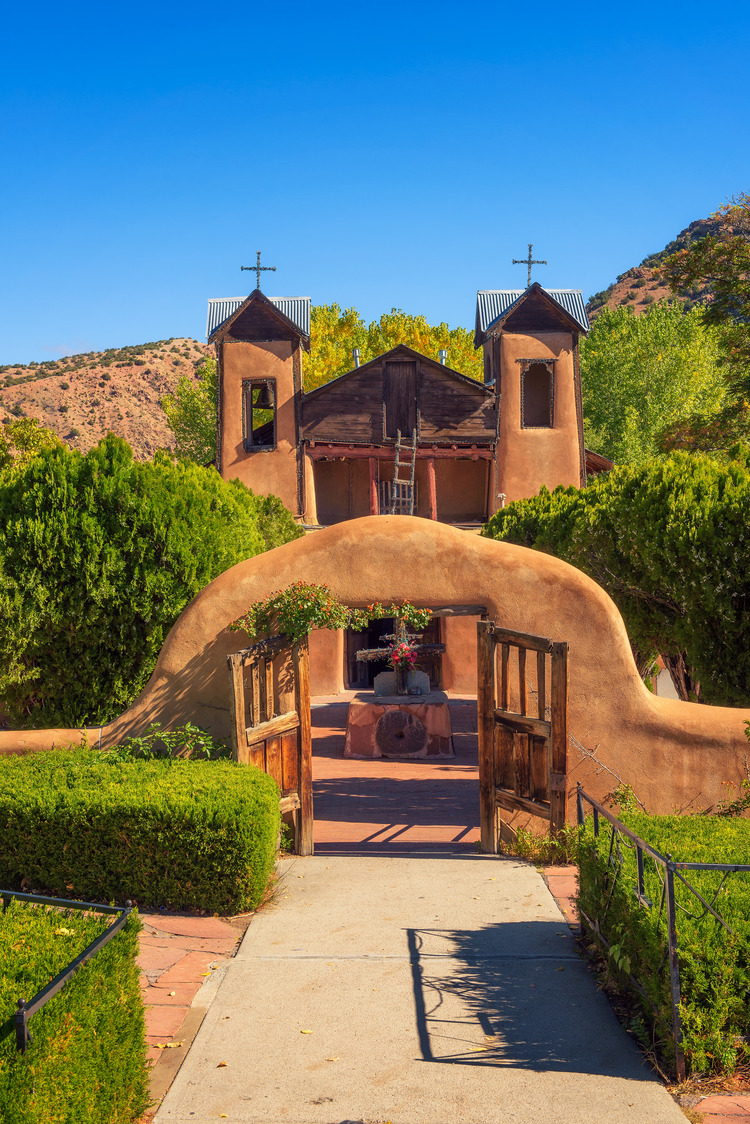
x: 675, y: 755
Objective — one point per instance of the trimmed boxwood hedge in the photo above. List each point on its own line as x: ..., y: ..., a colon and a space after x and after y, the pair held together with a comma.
x: 714, y: 965
x: 183, y: 834
x: 86, y: 1062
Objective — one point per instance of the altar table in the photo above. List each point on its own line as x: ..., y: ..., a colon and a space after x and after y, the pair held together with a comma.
x: 400, y: 727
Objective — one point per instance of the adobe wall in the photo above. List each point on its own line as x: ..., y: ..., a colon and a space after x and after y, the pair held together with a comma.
x: 271, y: 471
x: 675, y: 755
x: 528, y: 458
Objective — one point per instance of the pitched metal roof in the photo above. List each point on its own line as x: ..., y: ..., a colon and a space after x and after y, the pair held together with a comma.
x: 296, y: 309
x: 492, y: 303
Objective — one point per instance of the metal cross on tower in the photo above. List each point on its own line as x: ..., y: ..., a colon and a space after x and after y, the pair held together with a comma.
x: 257, y: 269
x: 529, y: 261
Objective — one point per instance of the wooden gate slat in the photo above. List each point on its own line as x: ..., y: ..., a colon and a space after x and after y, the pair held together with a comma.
x: 538, y: 770
x: 505, y: 682
x: 522, y: 688
x: 289, y: 762
x: 541, y: 677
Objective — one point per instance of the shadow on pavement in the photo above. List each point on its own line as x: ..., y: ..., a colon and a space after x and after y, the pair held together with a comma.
x: 529, y: 991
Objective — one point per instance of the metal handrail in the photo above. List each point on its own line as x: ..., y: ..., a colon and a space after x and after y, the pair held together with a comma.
x: 27, y: 1009
x: 670, y: 869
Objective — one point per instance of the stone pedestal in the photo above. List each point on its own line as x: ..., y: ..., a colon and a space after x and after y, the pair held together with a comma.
x: 400, y: 727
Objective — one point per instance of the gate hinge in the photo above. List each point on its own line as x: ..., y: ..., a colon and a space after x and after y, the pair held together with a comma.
x: 557, y: 782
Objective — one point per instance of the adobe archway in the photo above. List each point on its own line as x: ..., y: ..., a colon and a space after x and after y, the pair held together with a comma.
x: 676, y: 755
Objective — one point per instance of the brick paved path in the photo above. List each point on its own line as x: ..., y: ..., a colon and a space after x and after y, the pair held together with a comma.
x: 392, y: 807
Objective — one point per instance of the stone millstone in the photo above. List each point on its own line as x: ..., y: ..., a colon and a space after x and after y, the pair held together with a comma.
x: 399, y: 734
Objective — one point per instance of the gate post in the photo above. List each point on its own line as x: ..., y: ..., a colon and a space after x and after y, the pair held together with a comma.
x: 304, y: 836
x: 486, y: 734
x: 558, y: 777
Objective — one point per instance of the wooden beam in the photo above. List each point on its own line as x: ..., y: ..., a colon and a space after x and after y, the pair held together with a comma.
x: 459, y: 611
x: 386, y: 452
x: 524, y: 723
x: 236, y: 702
x: 373, y: 466
x: 289, y: 803
x: 271, y: 729
x: 535, y: 643
x: 513, y: 803
x: 486, y: 730
x: 432, y: 487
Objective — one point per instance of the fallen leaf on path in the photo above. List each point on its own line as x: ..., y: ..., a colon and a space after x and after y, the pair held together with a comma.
x: 305, y: 1032
x: 332, y: 1059
x: 221, y: 1065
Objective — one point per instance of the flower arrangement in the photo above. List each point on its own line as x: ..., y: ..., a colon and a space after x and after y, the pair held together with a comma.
x: 403, y: 656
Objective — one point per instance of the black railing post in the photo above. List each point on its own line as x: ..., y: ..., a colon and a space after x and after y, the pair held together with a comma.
x: 639, y: 859
x: 674, y: 969
x: 595, y: 810
x: 22, y: 1029
x: 579, y: 804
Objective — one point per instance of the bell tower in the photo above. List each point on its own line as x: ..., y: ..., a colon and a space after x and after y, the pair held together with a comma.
x: 259, y: 373
x: 530, y: 342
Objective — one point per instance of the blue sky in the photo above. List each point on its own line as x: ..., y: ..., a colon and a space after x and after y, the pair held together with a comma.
x: 397, y: 155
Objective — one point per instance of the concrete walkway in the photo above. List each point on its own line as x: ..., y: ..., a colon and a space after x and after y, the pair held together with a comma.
x: 438, y: 988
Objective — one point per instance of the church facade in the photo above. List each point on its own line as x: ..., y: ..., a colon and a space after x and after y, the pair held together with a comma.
x: 463, y: 448
x: 404, y: 433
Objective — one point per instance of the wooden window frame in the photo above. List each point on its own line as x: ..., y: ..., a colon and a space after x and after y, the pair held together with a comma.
x: 248, y: 386
x: 550, y: 365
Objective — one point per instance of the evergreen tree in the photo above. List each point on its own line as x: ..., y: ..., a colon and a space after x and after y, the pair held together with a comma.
x: 99, y: 555
x: 668, y: 542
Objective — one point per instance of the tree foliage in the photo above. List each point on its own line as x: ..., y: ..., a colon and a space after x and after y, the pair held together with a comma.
x: 721, y: 261
x: 191, y: 414
x: 644, y: 375
x: 334, y: 333
x: 22, y: 439
x: 99, y: 555
x: 668, y: 542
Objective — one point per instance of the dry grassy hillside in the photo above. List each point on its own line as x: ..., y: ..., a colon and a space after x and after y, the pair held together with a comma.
x: 641, y: 285
x: 82, y: 397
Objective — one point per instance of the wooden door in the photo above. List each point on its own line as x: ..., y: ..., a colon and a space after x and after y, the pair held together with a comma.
x: 279, y: 744
x: 400, y: 398
x: 522, y: 755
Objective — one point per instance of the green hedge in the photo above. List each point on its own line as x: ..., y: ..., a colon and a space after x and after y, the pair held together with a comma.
x: 86, y: 1062
x: 714, y: 965
x: 183, y: 834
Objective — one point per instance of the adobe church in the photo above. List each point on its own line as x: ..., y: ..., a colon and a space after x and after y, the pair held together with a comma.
x: 404, y: 433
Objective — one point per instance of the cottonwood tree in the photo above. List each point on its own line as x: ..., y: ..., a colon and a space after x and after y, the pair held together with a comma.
x: 721, y: 261
x: 644, y: 374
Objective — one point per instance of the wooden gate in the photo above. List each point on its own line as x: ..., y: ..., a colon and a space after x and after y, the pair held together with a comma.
x: 279, y: 744
x: 522, y: 756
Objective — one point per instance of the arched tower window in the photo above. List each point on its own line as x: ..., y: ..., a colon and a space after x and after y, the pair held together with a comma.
x: 537, y: 395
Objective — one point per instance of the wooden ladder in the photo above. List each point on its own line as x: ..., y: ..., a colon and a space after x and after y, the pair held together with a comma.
x: 402, y: 490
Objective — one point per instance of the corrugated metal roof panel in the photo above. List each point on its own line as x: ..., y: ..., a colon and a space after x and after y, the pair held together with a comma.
x: 296, y: 309
x: 492, y: 303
